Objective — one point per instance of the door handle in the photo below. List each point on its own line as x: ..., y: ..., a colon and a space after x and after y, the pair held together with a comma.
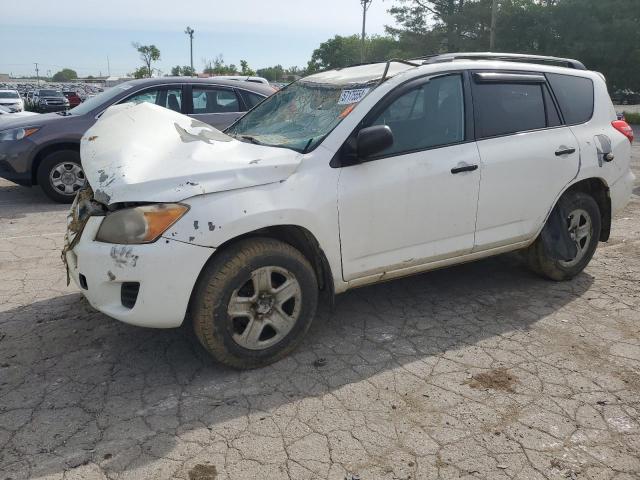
x: 564, y: 151
x: 464, y: 168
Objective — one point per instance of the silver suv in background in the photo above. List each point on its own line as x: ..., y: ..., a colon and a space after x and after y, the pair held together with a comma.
x: 45, y: 150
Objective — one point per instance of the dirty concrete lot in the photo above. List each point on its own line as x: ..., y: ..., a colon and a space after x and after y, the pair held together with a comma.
x: 479, y: 371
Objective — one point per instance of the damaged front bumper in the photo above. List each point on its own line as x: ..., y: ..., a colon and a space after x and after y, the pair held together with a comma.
x: 147, y: 285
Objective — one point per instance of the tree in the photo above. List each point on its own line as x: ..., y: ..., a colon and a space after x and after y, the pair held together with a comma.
x: 273, y: 74
x: 245, y: 69
x: 187, y: 71
x: 65, y: 75
x: 338, y: 52
x: 148, y: 54
x: 176, y: 71
x: 218, y: 67
x: 140, y: 72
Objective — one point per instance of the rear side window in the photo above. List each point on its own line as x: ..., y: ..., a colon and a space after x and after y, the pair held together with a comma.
x: 575, y: 96
x: 251, y: 99
x: 505, y: 108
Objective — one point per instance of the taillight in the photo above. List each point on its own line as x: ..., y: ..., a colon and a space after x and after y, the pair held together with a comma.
x: 624, y: 128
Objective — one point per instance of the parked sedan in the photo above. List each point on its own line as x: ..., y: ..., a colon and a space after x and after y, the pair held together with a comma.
x: 11, y: 100
x: 45, y: 150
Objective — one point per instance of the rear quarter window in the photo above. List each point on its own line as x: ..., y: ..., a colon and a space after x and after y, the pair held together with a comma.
x: 574, y: 95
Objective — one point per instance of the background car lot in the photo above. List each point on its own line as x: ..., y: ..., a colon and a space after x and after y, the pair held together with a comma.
x: 478, y: 371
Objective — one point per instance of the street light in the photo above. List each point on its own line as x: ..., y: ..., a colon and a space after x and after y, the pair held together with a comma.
x: 190, y: 31
x: 365, y: 6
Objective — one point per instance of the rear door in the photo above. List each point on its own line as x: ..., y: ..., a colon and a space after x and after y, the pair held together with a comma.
x: 527, y: 155
x: 217, y: 105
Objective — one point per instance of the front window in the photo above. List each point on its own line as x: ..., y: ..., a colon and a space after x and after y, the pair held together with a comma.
x: 50, y: 93
x: 9, y: 95
x: 300, y: 116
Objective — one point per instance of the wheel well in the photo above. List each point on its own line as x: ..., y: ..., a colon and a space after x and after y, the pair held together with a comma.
x: 37, y: 160
x: 301, y: 239
x: 597, y: 189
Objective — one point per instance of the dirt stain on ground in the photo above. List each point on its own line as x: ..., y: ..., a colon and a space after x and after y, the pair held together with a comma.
x: 203, y: 472
x: 496, y: 379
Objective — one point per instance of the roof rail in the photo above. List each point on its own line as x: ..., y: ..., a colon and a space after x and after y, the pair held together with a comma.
x: 512, y: 57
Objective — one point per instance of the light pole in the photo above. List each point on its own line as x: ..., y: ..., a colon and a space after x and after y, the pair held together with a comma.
x: 190, y: 31
x: 494, y: 19
x: 365, y: 6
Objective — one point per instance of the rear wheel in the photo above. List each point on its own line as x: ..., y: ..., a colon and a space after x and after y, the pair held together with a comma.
x: 254, y: 302
x: 583, y: 224
x: 61, y: 176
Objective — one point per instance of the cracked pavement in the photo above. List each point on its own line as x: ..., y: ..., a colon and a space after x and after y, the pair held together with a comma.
x: 480, y: 371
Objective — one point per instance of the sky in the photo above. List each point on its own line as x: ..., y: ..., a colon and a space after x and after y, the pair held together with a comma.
x: 82, y: 34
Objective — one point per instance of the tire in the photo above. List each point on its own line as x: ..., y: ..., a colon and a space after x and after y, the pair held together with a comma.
x: 580, y: 206
x: 60, y: 175
x: 249, y: 278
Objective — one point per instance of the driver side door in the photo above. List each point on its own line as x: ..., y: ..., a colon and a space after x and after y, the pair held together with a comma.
x: 415, y: 202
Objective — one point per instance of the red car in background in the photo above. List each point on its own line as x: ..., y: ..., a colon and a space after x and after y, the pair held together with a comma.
x: 74, y: 99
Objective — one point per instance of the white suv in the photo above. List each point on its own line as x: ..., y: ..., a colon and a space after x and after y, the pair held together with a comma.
x: 345, y: 178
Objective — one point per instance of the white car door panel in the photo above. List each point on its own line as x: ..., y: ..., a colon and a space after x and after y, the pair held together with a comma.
x: 417, y: 202
x: 521, y: 179
x: 403, y: 211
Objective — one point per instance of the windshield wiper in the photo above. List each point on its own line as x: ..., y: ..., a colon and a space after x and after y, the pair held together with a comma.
x: 251, y: 139
x: 306, y: 147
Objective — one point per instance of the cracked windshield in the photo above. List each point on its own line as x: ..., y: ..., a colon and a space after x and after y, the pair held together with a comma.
x: 299, y: 116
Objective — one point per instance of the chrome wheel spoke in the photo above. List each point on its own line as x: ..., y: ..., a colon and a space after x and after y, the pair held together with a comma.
x: 240, y: 307
x: 583, y: 231
x: 250, y: 337
x: 579, y: 227
x: 280, y: 321
x: 286, y: 291
x: 262, y: 280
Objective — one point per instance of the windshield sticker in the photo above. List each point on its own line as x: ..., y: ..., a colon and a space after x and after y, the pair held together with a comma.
x: 352, y: 96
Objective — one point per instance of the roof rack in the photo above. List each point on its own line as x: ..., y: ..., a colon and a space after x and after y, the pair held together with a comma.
x: 512, y: 57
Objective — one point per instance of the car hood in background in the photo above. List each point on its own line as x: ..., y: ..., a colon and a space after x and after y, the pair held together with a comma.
x: 147, y: 153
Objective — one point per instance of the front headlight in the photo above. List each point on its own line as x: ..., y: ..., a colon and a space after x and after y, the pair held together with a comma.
x: 17, y: 133
x: 142, y: 224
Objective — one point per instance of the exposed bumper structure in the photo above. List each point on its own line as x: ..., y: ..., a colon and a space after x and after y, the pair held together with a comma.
x: 165, y: 271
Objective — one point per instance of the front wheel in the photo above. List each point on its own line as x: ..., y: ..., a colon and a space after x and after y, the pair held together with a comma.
x: 583, y: 224
x: 254, y: 302
x: 60, y: 175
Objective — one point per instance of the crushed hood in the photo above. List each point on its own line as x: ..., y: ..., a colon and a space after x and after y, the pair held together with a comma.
x: 146, y: 153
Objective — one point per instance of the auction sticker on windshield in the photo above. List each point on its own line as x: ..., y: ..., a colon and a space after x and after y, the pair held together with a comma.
x: 352, y: 96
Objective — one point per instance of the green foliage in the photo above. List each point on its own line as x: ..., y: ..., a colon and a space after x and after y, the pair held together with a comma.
x: 148, y: 54
x: 65, y: 75
x: 140, y: 72
x: 245, y: 69
x: 602, y: 34
x: 338, y: 52
x: 218, y: 67
x: 632, y: 118
x: 179, y: 71
x: 273, y: 74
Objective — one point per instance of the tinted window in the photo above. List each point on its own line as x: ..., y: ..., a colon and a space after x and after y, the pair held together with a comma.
x: 214, y: 100
x: 173, y: 99
x: 251, y: 99
x: 575, y: 96
x: 429, y: 115
x: 149, y: 96
x: 553, y: 119
x: 504, y: 108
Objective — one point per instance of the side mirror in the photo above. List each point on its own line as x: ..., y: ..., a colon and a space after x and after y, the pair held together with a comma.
x: 372, y: 140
